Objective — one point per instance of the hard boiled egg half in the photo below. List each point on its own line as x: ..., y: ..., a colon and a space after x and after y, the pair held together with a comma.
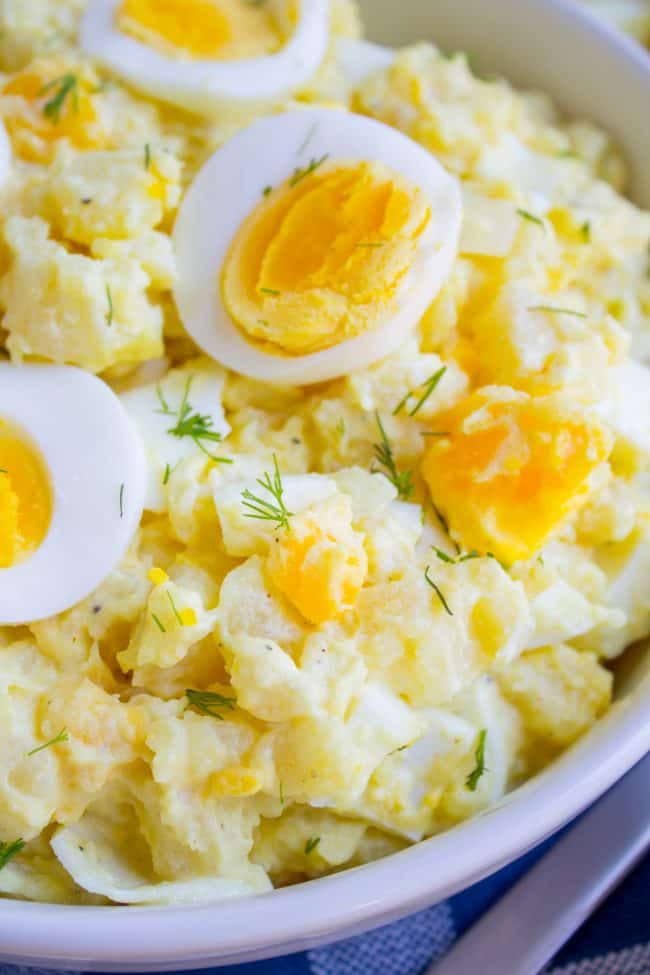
x: 207, y: 55
x: 311, y: 244
x: 71, y: 488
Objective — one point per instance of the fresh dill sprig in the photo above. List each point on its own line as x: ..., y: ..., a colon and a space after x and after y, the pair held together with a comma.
x: 263, y: 509
x: 480, y: 769
x: 402, y: 480
x: 311, y: 844
x: 109, y: 313
x: 10, y: 850
x: 558, y: 311
x: 62, y: 736
x: 429, y: 385
x: 527, y: 215
x: 437, y: 591
x: 300, y: 174
x: 61, y: 87
x: 207, y: 701
x: 158, y: 623
x: 196, y: 426
x: 122, y: 499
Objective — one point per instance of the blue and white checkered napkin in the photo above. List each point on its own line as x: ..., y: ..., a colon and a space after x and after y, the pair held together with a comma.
x: 615, y: 941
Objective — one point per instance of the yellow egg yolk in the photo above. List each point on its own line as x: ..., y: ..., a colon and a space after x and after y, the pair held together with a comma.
x: 203, y: 29
x: 321, y: 259
x: 40, y: 108
x: 25, y: 498
x: 511, y: 469
x: 319, y: 563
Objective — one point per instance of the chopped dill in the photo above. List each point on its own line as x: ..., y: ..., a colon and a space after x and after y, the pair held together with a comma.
x: 267, y: 190
x: 147, y: 155
x: 174, y: 610
x: 62, y: 736
x: 310, y: 135
x: 473, y: 778
x: 470, y: 555
x: 311, y: 844
x: 207, y: 701
x: 558, y: 311
x: 443, y: 555
x: 10, y: 850
x: 585, y: 231
x: 437, y: 591
x: 429, y: 385
x: 300, y: 174
x: 261, y: 508
x: 196, y: 426
x: 158, y: 623
x: 269, y: 291
x: 109, y: 313
x: 169, y: 470
x: 527, y: 215
x: 61, y: 87
x: 402, y: 480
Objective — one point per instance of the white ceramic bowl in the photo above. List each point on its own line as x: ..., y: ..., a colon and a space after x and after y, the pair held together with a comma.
x: 594, y: 73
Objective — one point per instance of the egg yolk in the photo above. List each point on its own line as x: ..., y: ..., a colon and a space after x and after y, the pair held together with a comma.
x: 25, y: 499
x: 321, y: 259
x: 319, y: 563
x: 47, y: 106
x: 511, y: 469
x: 224, y: 30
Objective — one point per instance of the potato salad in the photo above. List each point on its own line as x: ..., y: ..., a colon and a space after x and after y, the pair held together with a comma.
x: 324, y: 443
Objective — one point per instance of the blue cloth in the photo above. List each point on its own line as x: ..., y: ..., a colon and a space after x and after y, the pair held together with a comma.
x: 615, y: 941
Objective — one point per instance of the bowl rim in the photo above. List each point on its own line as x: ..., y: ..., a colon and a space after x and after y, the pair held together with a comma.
x: 357, y: 899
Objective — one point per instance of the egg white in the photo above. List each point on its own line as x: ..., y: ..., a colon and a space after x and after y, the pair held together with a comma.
x: 360, y: 60
x: 230, y: 185
x: 90, y: 450
x: 208, y: 86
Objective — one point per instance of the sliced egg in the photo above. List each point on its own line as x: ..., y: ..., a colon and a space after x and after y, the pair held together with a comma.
x: 71, y: 488
x: 207, y: 55
x: 311, y: 244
